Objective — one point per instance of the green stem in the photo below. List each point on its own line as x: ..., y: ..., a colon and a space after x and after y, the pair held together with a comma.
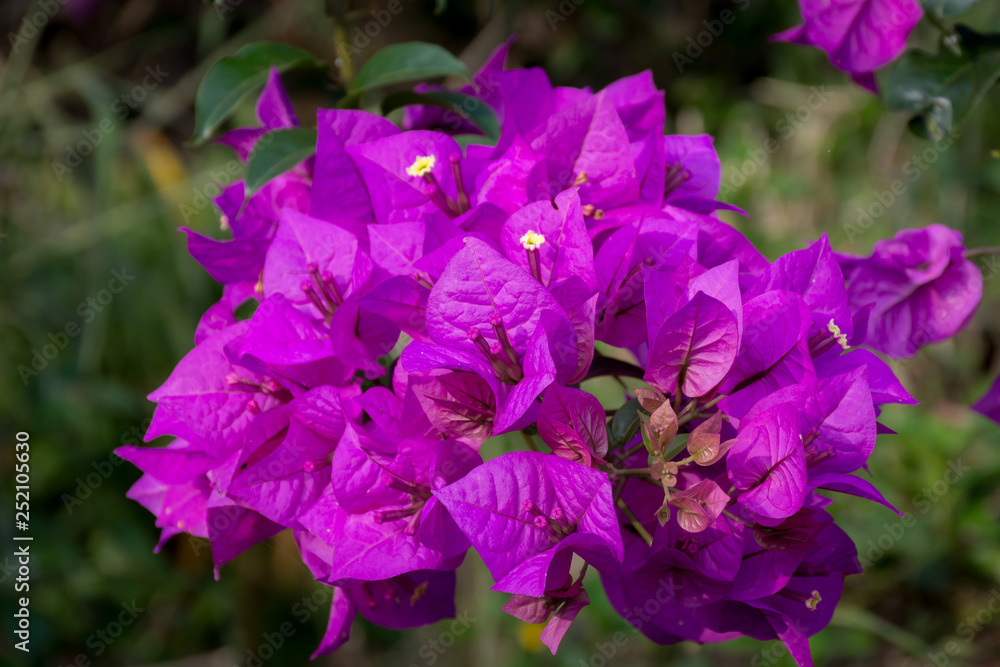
x: 629, y: 452
x: 982, y: 252
x: 619, y: 488
x: 627, y: 472
x: 735, y: 518
x: 693, y: 411
x: 342, y: 48
x: 643, y: 533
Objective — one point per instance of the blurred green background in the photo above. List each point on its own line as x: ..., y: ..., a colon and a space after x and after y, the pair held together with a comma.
x: 82, y: 77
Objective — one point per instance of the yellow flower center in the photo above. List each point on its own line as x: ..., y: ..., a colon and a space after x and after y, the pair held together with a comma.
x: 814, y: 601
x: 418, y: 592
x: 838, y: 334
x: 422, y: 165
x: 532, y: 240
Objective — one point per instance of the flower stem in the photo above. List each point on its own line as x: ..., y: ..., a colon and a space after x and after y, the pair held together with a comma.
x: 982, y: 252
x: 626, y: 472
x: 628, y: 453
x: 696, y: 412
x: 949, y: 38
x: 341, y: 42
x: 643, y: 533
x: 736, y: 518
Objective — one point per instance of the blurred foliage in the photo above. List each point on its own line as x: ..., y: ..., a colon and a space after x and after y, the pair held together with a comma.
x: 95, y: 177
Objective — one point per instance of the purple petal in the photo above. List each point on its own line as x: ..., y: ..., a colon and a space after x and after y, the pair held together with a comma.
x: 488, y: 505
x: 274, y: 109
x: 567, y: 251
x: 573, y: 423
x: 769, y: 463
x: 561, y: 619
x: 695, y: 348
x: 338, y: 190
x: 855, y: 486
x: 338, y: 629
x: 858, y: 35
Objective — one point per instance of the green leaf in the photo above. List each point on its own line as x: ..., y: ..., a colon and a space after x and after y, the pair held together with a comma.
x: 943, y: 89
x: 676, y: 447
x: 234, y: 77
x: 625, y: 424
x: 944, y: 9
x: 465, y: 140
x: 440, y: 6
x: 468, y: 107
x: 277, y: 152
x: 410, y: 61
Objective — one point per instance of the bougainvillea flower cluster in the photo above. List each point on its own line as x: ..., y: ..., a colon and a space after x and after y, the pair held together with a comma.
x: 420, y: 290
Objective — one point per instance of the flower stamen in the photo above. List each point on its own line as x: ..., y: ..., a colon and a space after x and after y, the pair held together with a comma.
x: 456, y: 171
x: 421, y: 166
x: 531, y: 241
x: 677, y: 176
x: 507, y: 367
x: 838, y: 335
x: 553, y: 524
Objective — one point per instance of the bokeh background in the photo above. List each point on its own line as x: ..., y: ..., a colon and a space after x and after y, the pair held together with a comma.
x: 82, y: 80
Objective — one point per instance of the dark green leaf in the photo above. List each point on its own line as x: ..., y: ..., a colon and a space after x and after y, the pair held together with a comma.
x: 942, y: 90
x: 470, y: 108
x: 410, y: 61
x: 439, y: 7
x: 676, y: 447
x: 277, y: 152
x: 944, y: 9
x: 625, y: 424
x: 465, y: 140
x: 234, y: 77
x: 978, y: 44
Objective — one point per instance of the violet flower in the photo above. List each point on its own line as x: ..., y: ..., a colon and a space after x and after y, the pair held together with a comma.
x: 859, y: 36
x: 417, y: 298
x: 921, y: 288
